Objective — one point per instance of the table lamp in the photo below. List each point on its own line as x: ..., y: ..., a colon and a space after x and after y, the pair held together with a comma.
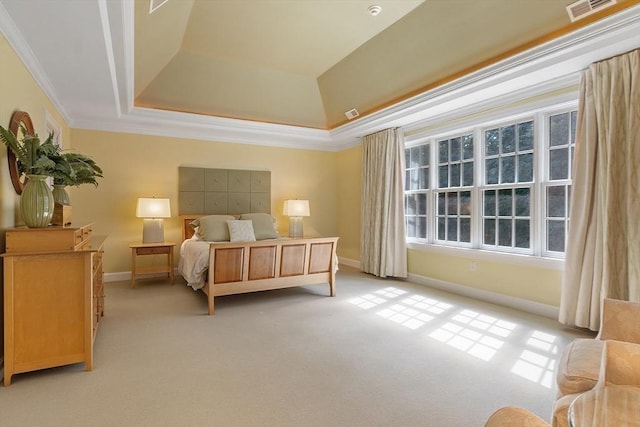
x: 153, y: 210
x: 295, y: 210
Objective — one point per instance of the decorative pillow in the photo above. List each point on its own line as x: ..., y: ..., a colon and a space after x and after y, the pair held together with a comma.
x: 213, y: 228
x: 263, y: 225
x: 241, y: 230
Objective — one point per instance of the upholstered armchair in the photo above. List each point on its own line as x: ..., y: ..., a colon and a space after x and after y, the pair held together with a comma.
x: 513, y: 416
x: 579, y: 369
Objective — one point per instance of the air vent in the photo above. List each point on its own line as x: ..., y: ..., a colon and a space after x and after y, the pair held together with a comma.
x: 352, y: 114
x: 582, y: 8
x: 155, y: 5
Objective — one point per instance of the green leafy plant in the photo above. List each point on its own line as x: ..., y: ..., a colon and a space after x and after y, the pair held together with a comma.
x: 74, y: 169
x: 34, y: 157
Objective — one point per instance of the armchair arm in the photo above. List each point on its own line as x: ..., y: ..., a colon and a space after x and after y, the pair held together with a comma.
x: 514, y: 416
x: 620, y: 320
x: 620, y: 364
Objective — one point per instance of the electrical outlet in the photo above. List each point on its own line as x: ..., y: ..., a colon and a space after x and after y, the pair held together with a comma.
x: 473, y: 266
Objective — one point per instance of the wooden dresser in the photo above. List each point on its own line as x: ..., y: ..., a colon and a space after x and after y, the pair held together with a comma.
x: 53, y: 297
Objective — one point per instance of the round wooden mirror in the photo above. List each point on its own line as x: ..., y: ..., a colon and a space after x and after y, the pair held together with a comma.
x: 19, y: 120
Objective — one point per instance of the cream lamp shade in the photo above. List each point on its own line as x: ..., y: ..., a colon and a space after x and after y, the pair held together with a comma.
x: 295, y: 210
x: 152, y: 210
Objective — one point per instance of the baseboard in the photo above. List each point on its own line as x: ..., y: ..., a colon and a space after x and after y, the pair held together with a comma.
x: 480, y: 294
x: 488, y: 296
x: 349, y: 262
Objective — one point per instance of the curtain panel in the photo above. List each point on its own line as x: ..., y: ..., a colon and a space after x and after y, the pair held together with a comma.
x: 603, y: 249
x: 383, y: 245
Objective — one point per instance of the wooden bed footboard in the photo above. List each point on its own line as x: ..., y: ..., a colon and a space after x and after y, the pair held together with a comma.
x: 241, y: 267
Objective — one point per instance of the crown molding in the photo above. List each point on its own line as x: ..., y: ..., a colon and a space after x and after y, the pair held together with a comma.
x: 549, y: 67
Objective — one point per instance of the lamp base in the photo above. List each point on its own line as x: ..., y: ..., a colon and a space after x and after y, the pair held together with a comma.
x: 295, y: 226
x: 152, y: 230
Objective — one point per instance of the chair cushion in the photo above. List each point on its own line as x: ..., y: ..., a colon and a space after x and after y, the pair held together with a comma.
x: 560, y: 416
x: 579, y: 366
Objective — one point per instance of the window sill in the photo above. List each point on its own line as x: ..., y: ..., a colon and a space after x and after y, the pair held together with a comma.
x: 508, y: 258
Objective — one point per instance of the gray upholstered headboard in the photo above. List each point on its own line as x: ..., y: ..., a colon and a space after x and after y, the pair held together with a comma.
x: 223, y: 191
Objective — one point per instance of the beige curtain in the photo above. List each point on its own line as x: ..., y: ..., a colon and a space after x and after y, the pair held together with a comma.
x: 383, y: 250
x: 603, y: 249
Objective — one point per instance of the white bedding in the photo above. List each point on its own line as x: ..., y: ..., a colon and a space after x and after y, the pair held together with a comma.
x: 194, y: 262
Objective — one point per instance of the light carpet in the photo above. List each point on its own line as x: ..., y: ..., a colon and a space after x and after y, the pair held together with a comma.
x: 381, y: 353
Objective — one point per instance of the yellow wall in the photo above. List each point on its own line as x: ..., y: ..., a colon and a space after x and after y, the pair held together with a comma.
x: 349, y: 170
x: 144, y: 166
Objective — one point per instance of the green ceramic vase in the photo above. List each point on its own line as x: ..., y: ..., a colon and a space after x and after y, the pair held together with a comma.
x: 60, y: 194
x: 36, y: 202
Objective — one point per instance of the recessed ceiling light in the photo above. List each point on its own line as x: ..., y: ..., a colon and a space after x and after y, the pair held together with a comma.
x: 374, y: 10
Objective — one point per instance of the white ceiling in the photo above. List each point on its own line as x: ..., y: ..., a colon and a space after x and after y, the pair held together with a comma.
x: 81, y: 53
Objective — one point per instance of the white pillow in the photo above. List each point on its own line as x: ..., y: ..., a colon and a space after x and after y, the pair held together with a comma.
x: 241, y: 230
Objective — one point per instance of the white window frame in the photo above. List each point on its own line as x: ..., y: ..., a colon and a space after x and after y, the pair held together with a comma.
x: 539, y: 112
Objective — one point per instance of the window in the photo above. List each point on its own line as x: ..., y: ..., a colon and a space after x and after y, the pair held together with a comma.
x: 416, y: 184
x: 502, y: 186
x: 561, y: 144
x: 455, y: 171
x: 508, y: 181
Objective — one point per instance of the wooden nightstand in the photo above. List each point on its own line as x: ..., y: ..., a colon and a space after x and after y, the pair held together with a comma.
x: 164, y: 248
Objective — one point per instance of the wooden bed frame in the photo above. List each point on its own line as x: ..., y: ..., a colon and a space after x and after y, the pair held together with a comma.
x: 242, y: 267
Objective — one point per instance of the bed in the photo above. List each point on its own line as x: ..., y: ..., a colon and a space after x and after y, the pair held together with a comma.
x: 228, y: 268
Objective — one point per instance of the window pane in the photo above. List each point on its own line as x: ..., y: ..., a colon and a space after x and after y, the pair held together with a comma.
x: 452, y: 204
x: 465, y: 203
x: 441, y: 228
x: 508, y: 169
x: 491, y: 171
x: 443, y: 181
x: 525, y: 167
x: 467, y: 173
x: 489, y: 231
x: 508, y: 139
x: 525, y: 136
x: 443, y: 150
x: 407, y: 157
x: 522, y: 233
x: 467, y: 143
x: 414, y: 183
x: 559, y: 130
x: 492, y: 142
x: 465, y: 230
x: 555, y: 236
x: 505, y: 206
x: 452, y: 229
x: 573, y: 126
x: 407, y: 180
x: 454, y: 154
x: 411, y: 226
x: 441, y: 203
x: 523, y: 202
x: 504, y: 232
x: 423, y: 155
x: 411, y: 204
x: 556, y: 201
x: 422, y: 203
x: 421, y: 229
x: 423, y: 178
x: 490, y: 203
x: 455, y: 175
x: 559, y: 164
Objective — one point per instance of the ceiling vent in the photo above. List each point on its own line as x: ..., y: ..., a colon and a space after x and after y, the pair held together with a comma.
x: 582, y: 8
x: 155, y: 5
x: 352, y: 114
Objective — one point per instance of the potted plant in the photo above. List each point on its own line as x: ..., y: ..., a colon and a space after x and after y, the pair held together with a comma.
x: 72, y: 169
x: 34, y: 160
